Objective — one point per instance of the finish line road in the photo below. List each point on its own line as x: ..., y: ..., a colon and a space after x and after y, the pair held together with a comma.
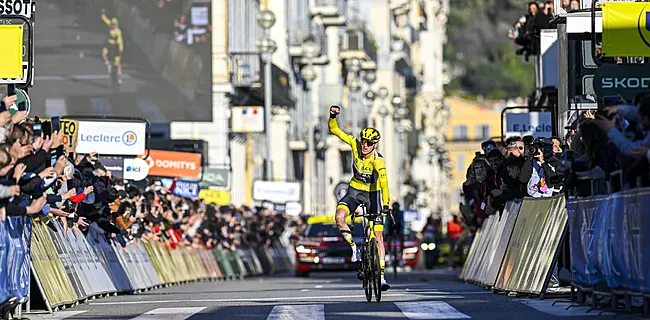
x: 415, y: 295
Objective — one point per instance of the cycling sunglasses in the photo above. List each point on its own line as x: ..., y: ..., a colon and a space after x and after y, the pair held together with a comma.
x: 367, y: 142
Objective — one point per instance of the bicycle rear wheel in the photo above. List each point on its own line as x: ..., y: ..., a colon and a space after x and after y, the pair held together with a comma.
x: 376, y: 269
x: 365, y: 269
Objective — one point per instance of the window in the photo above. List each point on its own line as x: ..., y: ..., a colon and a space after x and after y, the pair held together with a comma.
x: 460, y: 132
x: 460, y: 163
x: 482, y: 132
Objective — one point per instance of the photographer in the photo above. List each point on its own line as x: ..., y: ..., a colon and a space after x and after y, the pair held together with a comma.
x: 537, y: 173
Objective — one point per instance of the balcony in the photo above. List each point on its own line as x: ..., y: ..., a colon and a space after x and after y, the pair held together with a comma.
x: 400, y: 51
x: 331, y: 11
x: 245, y: 69
x: 320, y: 37
x: 359, y: 44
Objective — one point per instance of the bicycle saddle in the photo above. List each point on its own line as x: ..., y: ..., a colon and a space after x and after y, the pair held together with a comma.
x: 363, y: 199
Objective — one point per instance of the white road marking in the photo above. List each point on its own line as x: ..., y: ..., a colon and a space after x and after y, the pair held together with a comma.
x: 298, y: 312
x: 104, y: 76
x: 560, y: 308
x: 430, y: 310
x: 238, y: 300
x: 55, y: 107
x: 57, y: 315
x: 318, y: 287
x: 304, y: 290
x: 169, y: 313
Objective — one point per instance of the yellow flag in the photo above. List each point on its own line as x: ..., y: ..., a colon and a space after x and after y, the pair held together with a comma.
x: 626, y: 29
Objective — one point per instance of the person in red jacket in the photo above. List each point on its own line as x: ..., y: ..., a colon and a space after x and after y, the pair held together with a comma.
x: 454, y: 232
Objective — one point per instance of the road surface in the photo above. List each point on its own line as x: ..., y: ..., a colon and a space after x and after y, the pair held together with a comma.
x: 417, y: 295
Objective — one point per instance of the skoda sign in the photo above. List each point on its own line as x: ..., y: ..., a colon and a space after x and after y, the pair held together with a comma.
x: 112, y: 138
x: 624, y: 80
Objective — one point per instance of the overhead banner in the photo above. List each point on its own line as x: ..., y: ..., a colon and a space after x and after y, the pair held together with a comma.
x: 536, y: 124
x: 624, y: 80
x: 112, y: 138
x: 174, y: 164
x: 626, y: 29
x: 276, y: 192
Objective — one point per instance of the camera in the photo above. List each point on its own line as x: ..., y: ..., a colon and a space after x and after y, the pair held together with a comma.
x: 532, y: 146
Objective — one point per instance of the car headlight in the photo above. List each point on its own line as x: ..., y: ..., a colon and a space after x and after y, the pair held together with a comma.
x: 302, y: 249
x: 432, y: 246
x: 411, y: 250
x: 424, y: 246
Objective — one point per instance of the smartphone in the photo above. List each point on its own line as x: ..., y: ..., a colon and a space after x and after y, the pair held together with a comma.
x: 22, y: 106
x: 37, y: 129
x: 11, y: 90
x: 56, y: 124
x: 47, y: 129
x: 52, y: 160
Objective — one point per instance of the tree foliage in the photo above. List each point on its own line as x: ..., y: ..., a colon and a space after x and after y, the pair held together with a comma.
x: 479, y: 48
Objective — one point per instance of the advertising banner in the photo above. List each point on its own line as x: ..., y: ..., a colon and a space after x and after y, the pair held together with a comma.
x: 537, y: 124
x: 135, y: 169
x: 626, y: 29
x: 621, y: 80
x: 218, y: 197
x: 185, y: 189
x: 277, y: 192
x: 112, y: 138
x: 174, y: 164
x: 213, y: 177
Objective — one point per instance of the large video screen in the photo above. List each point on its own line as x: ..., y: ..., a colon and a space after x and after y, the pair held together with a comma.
x: 163, y: 48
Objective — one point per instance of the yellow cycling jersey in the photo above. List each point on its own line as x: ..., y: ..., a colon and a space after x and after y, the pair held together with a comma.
x: 114, y: 36
x: 368, y: 174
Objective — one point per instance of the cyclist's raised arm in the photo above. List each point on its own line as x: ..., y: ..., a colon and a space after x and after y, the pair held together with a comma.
x: 334, y: 127
x: 106, y: 20
x: 380, y: 167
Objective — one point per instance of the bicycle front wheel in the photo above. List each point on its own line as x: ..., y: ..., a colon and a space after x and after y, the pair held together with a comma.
x: 365, y: 269
x: 376, y: 269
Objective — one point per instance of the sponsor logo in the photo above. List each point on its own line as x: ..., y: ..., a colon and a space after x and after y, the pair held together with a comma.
x: 171, y: 164
x: 625, y: 83
x: 643, y: 25
x: 129, y: 138
x: 134, y: 169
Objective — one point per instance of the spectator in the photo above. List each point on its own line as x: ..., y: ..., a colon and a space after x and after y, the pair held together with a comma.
x: 575, y: 5
x: 529, y: 35
x: 549, y: 9
x: 454, y: 232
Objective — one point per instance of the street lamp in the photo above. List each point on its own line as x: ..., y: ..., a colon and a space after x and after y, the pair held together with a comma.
x: 353, y: 66
x: 400, y: 113
x: 266, y: 45
x: 311, y: 50
x: 383, y: 93
x: 370, y: 77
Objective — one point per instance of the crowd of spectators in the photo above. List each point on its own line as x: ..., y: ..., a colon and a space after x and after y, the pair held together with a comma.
x: 603, y: 152
x: 39, y: 178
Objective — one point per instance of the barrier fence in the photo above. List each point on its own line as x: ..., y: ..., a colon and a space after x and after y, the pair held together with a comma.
x: 610, y: 245
x: 514, y: 251
x: 68, y: 267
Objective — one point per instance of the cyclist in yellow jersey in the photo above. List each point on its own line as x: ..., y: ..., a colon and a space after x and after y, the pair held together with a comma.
x: 369, y: 176
x: 114, y: 47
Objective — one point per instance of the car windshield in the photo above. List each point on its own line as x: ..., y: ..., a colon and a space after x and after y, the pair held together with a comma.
x: 328, y: 230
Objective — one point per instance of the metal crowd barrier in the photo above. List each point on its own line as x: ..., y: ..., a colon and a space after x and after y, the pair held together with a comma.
x: 69, y: 267
x: 515, y: 251
x: 610, y: 241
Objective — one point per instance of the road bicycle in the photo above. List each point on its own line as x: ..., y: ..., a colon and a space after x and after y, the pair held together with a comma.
x: 369, y: 267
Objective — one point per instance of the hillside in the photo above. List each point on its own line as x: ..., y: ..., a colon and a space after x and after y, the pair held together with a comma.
x: 480, y: 53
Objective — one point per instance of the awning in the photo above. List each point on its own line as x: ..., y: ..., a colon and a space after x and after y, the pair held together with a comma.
x: 254, y: 96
